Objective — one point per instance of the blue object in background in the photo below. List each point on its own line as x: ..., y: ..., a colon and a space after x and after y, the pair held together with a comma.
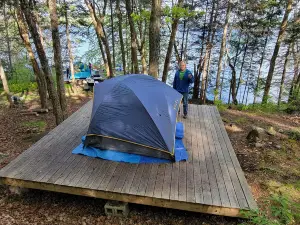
x: 180, y: 152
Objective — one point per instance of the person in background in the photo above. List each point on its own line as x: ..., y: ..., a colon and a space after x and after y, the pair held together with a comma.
x: 182, y: 80
x: 68, y: 74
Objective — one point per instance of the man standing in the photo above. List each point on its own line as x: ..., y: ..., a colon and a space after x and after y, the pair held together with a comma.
x: 183, y: 78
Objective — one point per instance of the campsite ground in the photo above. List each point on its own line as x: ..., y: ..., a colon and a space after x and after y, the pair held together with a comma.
x: 271, y: 167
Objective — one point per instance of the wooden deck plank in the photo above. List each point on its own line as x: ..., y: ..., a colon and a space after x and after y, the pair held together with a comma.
x: 119, y: 172
x: 207, y: 192
x: 108, y: 174
x: 215, y: 160
x: 98, y: 174
x: 167, y: 181
x: 174, y: 181
x: 237, y: 186
x: 130, y: 169
x: 151, y: 183
x: 190, y: 184
x: 220, y: 149
x: 87, y: 173
x: 137, y: 179
x: 252, y: 204
x: 159, y: 181
x: 196, y: 147
x: 145, y: 179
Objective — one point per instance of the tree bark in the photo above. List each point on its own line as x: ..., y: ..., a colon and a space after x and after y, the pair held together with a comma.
x: 259, y: 70
x: 134, y: 46
x: 7, y: 40
x: 100, y: 35
x: 296, y: 71
x: 31, y: 21
x: 204, y: 74
x: 223, y: 44
x: 154, y: 38
x: 233, y: 83
x: 242, y: 66
x: 200, y: 63
x: 71, y: 58
x: 248, y: 75
x: 5, y: 85
x: 276, y: 50
x: 112, y: 33
x: 57, y: 58
x: 41, y: 81
x: 170, y: 45
x: 119, y: 15
x: 283, y: 75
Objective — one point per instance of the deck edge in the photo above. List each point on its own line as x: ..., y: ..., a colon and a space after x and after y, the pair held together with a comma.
x: 144, y: 200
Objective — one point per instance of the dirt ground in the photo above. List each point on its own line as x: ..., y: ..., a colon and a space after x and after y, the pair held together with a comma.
x: 267, y: 170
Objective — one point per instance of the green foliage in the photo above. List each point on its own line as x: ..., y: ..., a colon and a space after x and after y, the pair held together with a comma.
x: 143, y: 15
x: 294, y: 134
x: 221, y: 107
x: 22, y: 72
x: 180, y: 12
x: 282, y: 211
x: 262, y: 108
x: 20, y: 87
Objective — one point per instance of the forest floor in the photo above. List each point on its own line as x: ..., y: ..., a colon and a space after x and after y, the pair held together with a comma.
x: 269, y: 169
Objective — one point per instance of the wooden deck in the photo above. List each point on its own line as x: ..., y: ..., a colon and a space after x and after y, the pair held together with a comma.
x: 210, y: 182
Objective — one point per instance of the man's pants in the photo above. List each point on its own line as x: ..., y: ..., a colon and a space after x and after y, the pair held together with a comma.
x: 185, y: 102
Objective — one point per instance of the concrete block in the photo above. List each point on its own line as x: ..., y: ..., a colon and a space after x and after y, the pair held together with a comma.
x: 115, y: 208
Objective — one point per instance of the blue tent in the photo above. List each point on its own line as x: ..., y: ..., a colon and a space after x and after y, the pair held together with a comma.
x: 134, y: 114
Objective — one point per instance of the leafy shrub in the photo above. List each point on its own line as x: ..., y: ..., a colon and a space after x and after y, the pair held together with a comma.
x: 20, y: 87
x: 283, y: 211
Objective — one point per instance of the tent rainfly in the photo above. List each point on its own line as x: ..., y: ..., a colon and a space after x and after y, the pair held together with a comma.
x: 134, y: 114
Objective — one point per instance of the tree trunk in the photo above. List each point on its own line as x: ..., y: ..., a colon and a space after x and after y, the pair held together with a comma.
x: 248, y: 75
x: 182, y: 40
x: 170, y: 45
x: 276, y: 50
x: 7, y: 40
x: 204, y: 74
x: 112, y: 33
x: 222, y: 82
x: 283, y: 75
x: 71, y: 58
x: 41, y: 81
x: 208, y: 50
x: 31, y: 21
x: 134, y: 46
x: 154, y: 38
x: 296, y: 71
x: 5, y: 85
x: 101, y: 36
x: 185, y: 46
x: 141, y: 47
x: 233, y: 84
x: 259, y: 70
x: 223, y: 44
x: 57, y: 58
x: 242, y: 66
x: 119, y: 15
x: 200, y: 64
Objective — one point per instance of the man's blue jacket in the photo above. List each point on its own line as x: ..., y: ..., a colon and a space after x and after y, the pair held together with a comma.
x: 182, y: 86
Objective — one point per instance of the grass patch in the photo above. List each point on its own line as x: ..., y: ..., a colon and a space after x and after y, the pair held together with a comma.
x: 241, y: 120
x: 35, y: 124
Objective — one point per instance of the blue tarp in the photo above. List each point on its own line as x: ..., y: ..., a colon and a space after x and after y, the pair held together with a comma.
x: 180, y: 152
